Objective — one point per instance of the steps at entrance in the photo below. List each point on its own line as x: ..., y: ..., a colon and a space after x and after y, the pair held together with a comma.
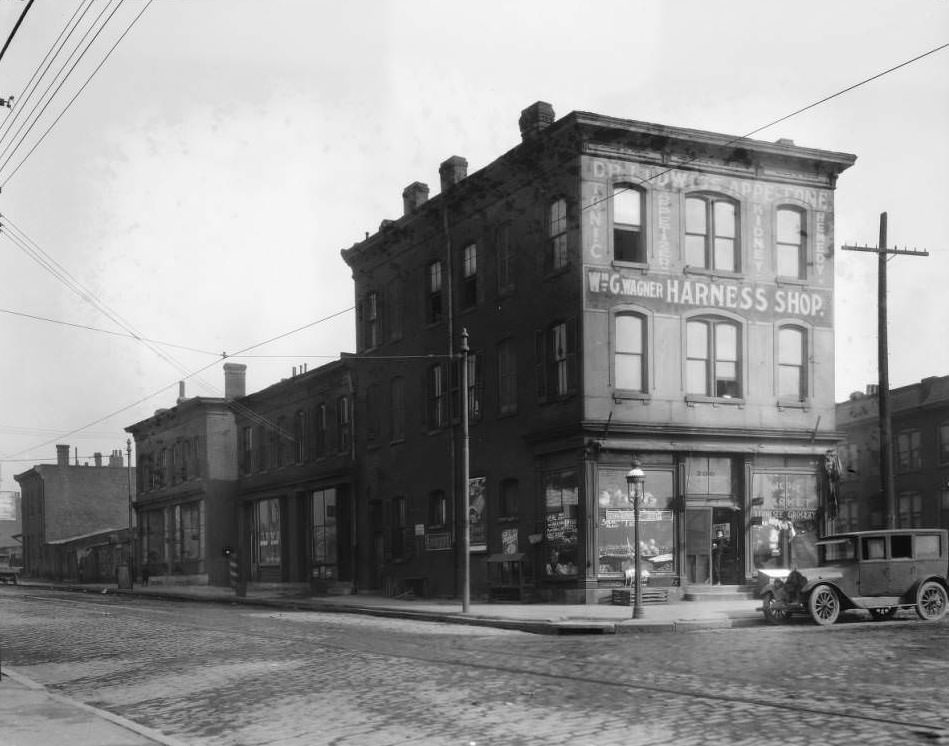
x: 707, y: 592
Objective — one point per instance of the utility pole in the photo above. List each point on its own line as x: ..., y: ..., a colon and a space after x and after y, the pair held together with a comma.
x: 465, y: 479
x: 887, y: 479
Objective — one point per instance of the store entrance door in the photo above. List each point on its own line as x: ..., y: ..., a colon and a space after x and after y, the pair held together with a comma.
x: 712, y: 545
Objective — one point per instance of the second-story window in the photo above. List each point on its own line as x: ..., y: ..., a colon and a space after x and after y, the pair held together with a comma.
x: 713, y: 358
x: 711, y: 233
x: 475, y: 386
x: 433, y: 278
x: 557, y: 233
x: 790, y: 246
x: 299, y: 436
x: 469, y: 287
x: 629, y: 243
x: 247, y: 450
x: 398, y: 409
x: 436, y: 396
x: 505, y: 259
x: 319, y: 430
x: 630, y: 352
x: 555, y: 360
x: 437, y: 509
x: 792, y: 371
x: 343, y: 433
x: 908, y: 455
x: 262, y: 449
x: 507, y: 377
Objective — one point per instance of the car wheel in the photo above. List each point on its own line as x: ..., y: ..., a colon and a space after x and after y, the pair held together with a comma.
x: 931, y: 601
x: 887, y: 612
x: 771, y: 614
x: 824, y: 605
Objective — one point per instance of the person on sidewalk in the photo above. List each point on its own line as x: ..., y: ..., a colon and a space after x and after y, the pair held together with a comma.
x: 719, y: 546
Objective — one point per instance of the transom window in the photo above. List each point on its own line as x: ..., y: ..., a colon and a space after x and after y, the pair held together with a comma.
x: 557, y: 233
x: 628, y: 240
x: 711, y: 233
x: 792, y: 354
x: 712, y: 358
x: 629, y: 358
x: 790, y: 244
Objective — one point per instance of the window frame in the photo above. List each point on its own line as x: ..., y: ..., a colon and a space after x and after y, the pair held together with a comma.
x: 801, y: 247
x: 469, y: 275
x: 437, y: 509
x: 711, y: 235
x: 712, y: 359
x: 504, y: 259
x: 803, y: 368
x: 909, y: 456
x: 507, y: 376
x: 642, y: 354
x: 556, y: 369
x: 434, y: 285
x: 436, y: 397
x: 639, y: 229
x: 397, y: 409
x: 557, y: 228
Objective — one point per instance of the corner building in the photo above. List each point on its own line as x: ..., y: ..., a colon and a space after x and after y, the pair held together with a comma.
x: 629, y: 290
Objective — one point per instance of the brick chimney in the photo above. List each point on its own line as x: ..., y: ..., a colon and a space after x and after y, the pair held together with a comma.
x: 234, y: 380
x: 97, y: 457
x: 116, y: 459
x: 452, y: 171
x: 413, y: 197
x: 535, y: 118
x: 181, y: 392
x: 62, y: 455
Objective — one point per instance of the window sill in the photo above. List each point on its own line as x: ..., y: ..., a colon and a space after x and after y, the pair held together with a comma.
x: 642, y: 267
x: 793, y: 404
x: 793, y: 281
x: 551, y: 274
x: 715, y: 401
x: 397, y: 441
x: 623, y: 395
x: 712, y: 274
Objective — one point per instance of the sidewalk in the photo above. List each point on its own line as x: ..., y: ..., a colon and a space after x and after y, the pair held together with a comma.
x: 672, y: 616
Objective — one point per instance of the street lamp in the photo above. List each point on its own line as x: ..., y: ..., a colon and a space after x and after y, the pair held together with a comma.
x: 128, y: 471
x: 635, y: 479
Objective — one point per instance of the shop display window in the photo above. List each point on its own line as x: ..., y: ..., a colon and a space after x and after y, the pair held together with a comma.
x: 784, y: 519
x: 616, y: 525
x: 562, y: 495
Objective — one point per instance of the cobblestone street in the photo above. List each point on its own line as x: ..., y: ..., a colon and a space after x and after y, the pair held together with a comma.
x: 212, y: 674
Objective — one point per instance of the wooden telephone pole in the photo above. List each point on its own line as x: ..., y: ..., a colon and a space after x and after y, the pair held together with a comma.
x: 887, y: 480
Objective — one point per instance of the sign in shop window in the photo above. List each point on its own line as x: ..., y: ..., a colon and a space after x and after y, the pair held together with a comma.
x: 616, y: 524
x: 561, y: 495
x: 784, y: 519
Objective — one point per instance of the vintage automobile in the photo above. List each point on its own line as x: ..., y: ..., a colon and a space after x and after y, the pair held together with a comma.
x: 878, y: 571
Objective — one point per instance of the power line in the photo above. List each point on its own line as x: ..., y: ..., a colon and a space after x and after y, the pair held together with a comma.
x: 105, y: 331
x: 81, y: 89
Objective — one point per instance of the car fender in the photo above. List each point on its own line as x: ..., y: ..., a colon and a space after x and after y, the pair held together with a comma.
x: 910, y: 595
x: 845, y: 602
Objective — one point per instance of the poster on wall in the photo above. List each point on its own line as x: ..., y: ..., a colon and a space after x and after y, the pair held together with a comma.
x: 509, y: 541
x: 477, y: 520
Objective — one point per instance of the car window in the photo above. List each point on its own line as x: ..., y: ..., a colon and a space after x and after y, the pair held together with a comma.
x: 927, y: 547
x: 874, y: 547
x: 901, y: 546
x: 836, y: 551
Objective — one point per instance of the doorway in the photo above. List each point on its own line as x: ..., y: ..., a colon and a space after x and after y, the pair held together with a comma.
x: 713, y: 545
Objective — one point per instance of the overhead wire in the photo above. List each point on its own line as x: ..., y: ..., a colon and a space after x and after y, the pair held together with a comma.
x: 76, y: 60
x: 81, y: 89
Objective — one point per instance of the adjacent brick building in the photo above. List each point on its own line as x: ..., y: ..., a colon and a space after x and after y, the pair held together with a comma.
x: 919, y: 415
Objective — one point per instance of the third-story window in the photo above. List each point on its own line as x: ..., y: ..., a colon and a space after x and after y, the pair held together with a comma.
x: 628, y: 240
x: 792, y: 371
x: 711, y: 233
x: 557, y: 233
x: 469, y: 287
x: 437, y: 400
x: 505, y: 259
x: 630, y: 359
x: 507, y: 377
x: 908, y: 456
x: 555, y: 360
x: 790, y: 244
x: 398, y: 409
x: 372, y: 320
x: 433, y: 279
x: 713, y: 358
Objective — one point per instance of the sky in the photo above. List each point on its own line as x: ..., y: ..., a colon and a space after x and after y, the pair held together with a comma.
x: 200, y: 180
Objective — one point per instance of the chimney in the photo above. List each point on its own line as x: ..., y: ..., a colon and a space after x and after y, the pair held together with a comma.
x: 116, y: 459
x: 873, y: 389
x: 97, y: 457
x: 413, y: 197
x: 62, y: 455
x: 452, y: 171
x: 181, y: 392
x: 535, y: 118
x: 234, y: 380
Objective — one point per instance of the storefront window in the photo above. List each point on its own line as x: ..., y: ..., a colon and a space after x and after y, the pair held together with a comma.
x: 616, y: 525
x: 562, y: 495
x: 268, y: 532
x: 187, y: 547
x: 324, y: 532
x: 784, y: 520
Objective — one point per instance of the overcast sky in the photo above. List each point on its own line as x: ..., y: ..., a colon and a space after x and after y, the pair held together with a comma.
x: 203, y: 183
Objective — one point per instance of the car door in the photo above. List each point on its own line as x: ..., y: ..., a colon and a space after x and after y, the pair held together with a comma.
x: 874, y: 567
x: 902, y: 573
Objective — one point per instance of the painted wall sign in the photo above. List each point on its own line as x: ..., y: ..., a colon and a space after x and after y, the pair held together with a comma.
x: 752, y: 300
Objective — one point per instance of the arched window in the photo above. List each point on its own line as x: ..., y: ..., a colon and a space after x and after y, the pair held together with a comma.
x: 713, y: 358
x: 711, y: 233
x: 629, y: 244
x: 629, y: 356
x: 790, y: 244
x: 792, y: 372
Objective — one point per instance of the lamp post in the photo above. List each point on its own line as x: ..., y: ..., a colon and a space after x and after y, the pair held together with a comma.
x: 128, y: 471
x: 635, y: 479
